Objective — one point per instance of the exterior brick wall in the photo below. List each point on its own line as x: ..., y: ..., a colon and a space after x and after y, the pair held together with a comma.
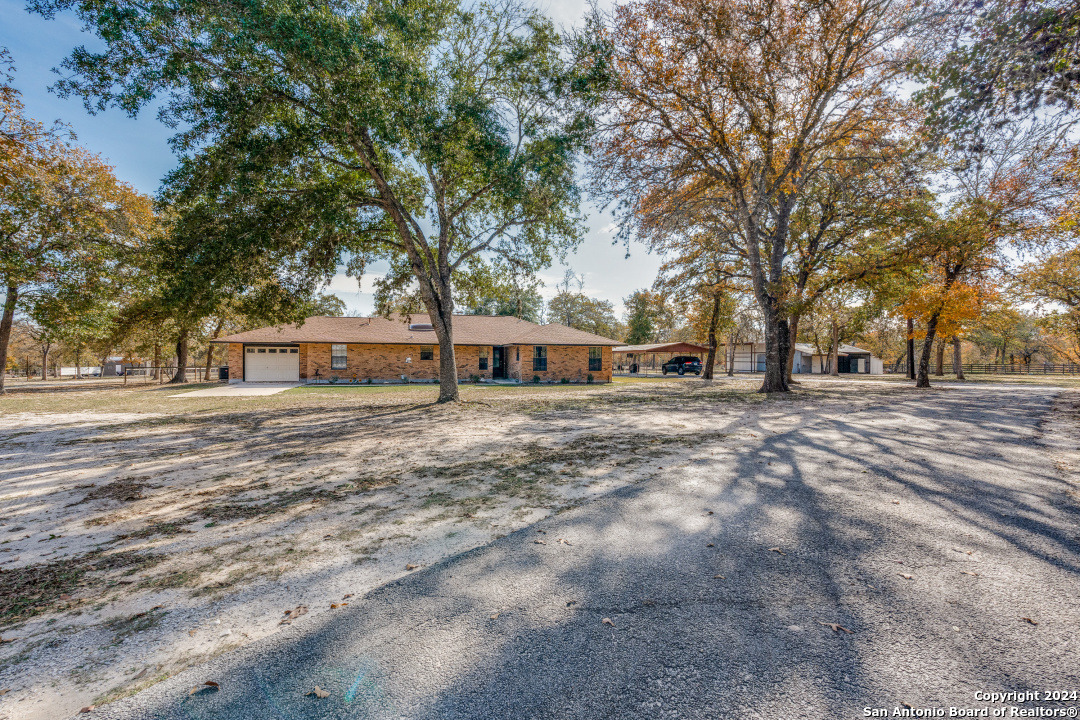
x: 236, y: 362
x: 387, y: 362
x: 303, y: 361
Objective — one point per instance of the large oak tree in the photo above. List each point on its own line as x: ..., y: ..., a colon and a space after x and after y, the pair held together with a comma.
x: 420, y: 131
x: 731, y: 109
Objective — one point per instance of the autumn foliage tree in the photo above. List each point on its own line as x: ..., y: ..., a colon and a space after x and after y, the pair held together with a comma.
x: 727, y: 110
x: 66, y: 225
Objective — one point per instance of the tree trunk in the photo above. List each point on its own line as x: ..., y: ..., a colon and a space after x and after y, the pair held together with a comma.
x: 957, y: 364
x: 834, y: 351
x: 210, y: 350
x: 910, y: 349
x: 714, y: 322
x: 923, y: 379
x: 440, y: 307
x: 776, y: 351
x: 730, y: 355
x: 78, y: 360
x: 157, y: 361
x: 45, y: 360
x: 793, y: 334
x: 181, y: 358
x: 5, y: 330
x: 940, y: 358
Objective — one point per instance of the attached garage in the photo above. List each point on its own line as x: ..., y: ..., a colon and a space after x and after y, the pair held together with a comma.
x: 264, y: 363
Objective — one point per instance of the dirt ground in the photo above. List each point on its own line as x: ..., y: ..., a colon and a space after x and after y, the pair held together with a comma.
x: 141, y: 533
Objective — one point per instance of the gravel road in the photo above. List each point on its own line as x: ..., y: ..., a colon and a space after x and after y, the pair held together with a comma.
x: 941, y: 529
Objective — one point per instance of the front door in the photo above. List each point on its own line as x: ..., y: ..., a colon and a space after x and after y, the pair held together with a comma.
x: 498, y: 364
x: 843, y: 364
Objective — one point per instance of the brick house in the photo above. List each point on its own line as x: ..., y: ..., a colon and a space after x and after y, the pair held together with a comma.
x: 377, y: 349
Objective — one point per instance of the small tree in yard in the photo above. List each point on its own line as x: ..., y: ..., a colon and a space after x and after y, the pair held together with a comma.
x: 433, y: 135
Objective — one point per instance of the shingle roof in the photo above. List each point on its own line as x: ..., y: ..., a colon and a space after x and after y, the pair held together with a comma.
x: 468, y: 330
x: 662, y: 347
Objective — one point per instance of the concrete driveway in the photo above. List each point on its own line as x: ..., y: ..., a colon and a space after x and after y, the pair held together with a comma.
x: 240, y: 389
x: 914, y: 553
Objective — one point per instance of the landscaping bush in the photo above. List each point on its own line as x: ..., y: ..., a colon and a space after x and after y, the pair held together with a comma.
x: 565, y: 381
x: 334, y: 379
x: 536, y: 379
x: 589, y: 379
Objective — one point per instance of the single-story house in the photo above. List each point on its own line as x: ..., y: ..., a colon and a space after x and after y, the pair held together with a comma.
x: 626, y: 357
x: 378, y: 349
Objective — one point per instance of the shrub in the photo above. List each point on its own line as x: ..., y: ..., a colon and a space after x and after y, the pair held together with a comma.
x: 334, y: 379
x: 368, y: 381
x: 589, y: 379
x: 536, y: 379
x: 474, y: 378
x: 565, y: 381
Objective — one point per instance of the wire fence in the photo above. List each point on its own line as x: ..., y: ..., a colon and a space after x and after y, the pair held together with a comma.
x: 142, y: 375
x: 1002, y: 369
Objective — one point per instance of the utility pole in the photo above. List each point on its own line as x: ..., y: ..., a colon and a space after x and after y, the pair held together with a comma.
x: 910, y: 349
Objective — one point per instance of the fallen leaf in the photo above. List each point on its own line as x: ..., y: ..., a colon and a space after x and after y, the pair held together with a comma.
x: 708, y: 512
x: 972, y: 574
x: 719, y: 577
x: 5, y: 691
x: 87, y: 709
x: 905, y: 576
x: 333, y: 606
x: 4, y: 640
x: 564, y: 541
x: 344, y: 604
x: 710, y: 545
x: 607, y: 621
x: 347, y: 596
x: 319, y: 692
x: 209, y: 686
x: 291, y: 615
x: 895, y: 502
x: 141, y: 673
x: 65, y: 596
x: 410, y: 566
x: 495, y: 616
x: 539, y: 542
x: 542, y: 532
x: 571, y: 602
x: 836, y: 627
x: 1027, y: 619
x: 777, y: 550
x: 191, y: 633
x: 906, y: 705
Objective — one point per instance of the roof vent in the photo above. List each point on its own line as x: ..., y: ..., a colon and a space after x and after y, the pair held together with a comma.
x: 421, y: 326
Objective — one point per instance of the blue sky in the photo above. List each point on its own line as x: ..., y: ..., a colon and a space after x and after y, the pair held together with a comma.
x: 139, y: 150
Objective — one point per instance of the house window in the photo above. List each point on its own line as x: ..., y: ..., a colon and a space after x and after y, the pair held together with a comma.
x: 251, y: 350
x: 483, y: 358
x: 596, y: 359
x: 262, y: 350
x: 539, y: 357
x: 339, y: 357
x: 517, y: 354
x: 427, y: 352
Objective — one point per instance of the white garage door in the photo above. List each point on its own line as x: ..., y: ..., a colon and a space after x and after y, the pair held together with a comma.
x: 271, y: 364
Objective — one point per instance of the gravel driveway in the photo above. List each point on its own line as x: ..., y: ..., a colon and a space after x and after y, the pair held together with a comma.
x: 939, y: 532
